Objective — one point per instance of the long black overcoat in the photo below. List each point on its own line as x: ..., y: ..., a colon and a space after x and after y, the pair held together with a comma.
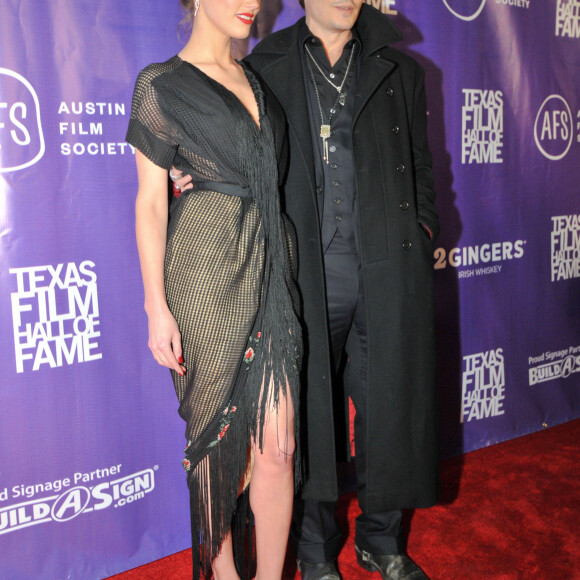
x: 395, y: 196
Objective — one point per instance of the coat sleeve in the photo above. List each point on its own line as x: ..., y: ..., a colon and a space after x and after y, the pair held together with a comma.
x: 422, y: 163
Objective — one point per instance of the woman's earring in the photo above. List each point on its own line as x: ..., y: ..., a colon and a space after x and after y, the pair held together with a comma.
x: 196, y: 7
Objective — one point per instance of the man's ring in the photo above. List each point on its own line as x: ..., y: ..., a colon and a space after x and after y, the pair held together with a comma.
x: 173, y: 178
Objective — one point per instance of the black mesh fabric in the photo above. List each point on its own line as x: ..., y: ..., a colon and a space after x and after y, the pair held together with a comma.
x: 228, y: 279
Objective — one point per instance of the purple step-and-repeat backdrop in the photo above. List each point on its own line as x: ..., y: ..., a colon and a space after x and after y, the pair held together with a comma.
x: 90, y: 442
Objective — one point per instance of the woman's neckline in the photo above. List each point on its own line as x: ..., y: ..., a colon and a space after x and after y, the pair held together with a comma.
x: 247, y: 73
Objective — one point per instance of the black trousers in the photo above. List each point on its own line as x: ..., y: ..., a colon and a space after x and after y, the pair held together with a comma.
x: 315, y: 533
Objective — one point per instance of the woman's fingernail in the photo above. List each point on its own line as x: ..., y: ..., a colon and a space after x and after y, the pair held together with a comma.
x: 180, y: 359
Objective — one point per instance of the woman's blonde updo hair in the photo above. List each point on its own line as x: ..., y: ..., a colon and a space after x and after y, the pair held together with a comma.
x: 187, y: 6
x: 184, y: 27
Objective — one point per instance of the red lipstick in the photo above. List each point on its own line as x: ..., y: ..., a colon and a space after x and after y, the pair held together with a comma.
x: 246, y: 18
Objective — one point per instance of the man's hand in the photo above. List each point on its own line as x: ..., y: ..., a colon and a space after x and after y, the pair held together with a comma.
x: 181, y: 182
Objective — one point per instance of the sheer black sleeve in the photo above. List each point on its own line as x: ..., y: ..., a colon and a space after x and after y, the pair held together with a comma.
x: 150, y: 129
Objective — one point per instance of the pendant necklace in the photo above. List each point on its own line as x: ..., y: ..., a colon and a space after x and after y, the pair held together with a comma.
x: 340, y: 99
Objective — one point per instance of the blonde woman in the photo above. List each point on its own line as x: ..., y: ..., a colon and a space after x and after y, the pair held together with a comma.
x: 219, y: 290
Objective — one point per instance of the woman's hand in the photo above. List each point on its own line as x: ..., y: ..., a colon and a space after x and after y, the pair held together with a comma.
x: 165, y: 341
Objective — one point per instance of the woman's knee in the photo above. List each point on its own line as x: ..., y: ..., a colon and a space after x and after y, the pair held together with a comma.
x: 277, y: 452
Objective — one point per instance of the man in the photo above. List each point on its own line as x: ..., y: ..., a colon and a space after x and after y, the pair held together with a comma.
x: 359, y: 191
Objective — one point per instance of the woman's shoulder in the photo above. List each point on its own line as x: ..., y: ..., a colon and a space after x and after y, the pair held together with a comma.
x: 158, y: 71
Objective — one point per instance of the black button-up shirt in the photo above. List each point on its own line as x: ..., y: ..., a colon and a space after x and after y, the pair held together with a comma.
x: 335, y: 180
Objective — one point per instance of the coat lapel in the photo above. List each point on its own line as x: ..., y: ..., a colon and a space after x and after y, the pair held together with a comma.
x: 376, y: 32
x: 372, y: 72
x: 285, y: 78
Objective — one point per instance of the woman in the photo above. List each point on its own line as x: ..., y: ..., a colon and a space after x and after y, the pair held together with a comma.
x: 219, y: 293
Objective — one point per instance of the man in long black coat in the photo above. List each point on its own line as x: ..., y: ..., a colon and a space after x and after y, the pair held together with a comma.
x: 371, y: 281
x: 362, y: 201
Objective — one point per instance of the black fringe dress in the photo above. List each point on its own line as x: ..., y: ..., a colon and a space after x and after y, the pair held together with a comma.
x: 229, y: 283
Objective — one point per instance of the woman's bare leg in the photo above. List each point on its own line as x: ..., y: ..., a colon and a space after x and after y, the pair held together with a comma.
x: 223, y: 566
x: 272, y: 489
x: 271, y: 496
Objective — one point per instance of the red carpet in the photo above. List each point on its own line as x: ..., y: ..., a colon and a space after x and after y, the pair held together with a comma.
x: 507, y: 512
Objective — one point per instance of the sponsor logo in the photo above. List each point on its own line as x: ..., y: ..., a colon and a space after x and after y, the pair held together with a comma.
x: 565, y: 247
x: 568, y: 18
x: 465, y: 9
x: 514, y: 3
x: 483, y: 386
x: 83, y: 125
x: 554, y: 128
x: 482, y: 126
x: 385, y: 6
x: 55, y: 315
x: 21, y: 137
x: 486, y: 256
x: 65, y: 499
x: 552, y: 365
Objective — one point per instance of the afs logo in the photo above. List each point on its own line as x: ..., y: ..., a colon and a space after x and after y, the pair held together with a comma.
x: 554, y: 128
x: 465, y: 9
x: 21, y: 138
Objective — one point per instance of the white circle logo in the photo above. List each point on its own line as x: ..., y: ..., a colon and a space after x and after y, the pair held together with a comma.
x: 470, y: 9
x: 554, y: 128
x: 21, y: 137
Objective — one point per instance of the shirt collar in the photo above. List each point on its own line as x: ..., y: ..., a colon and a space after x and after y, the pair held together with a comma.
x: 306, y: 36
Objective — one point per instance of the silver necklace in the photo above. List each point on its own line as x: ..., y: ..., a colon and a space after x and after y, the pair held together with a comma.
x: 341, y: 98
x: 336, y: 88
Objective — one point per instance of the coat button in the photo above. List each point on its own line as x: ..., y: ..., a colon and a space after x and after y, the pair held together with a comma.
x: 379, y: 55
x: 336, y: 183
x: 407, y: 245
x: 390, y: 92
x: 333, y: 165
x: 338, y: 218
x: 337, y: 200
x: 400, y: 168
x: 396, y: 129
x: 319, y: 190
x: 332, y: 148
x: 404, y: 205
